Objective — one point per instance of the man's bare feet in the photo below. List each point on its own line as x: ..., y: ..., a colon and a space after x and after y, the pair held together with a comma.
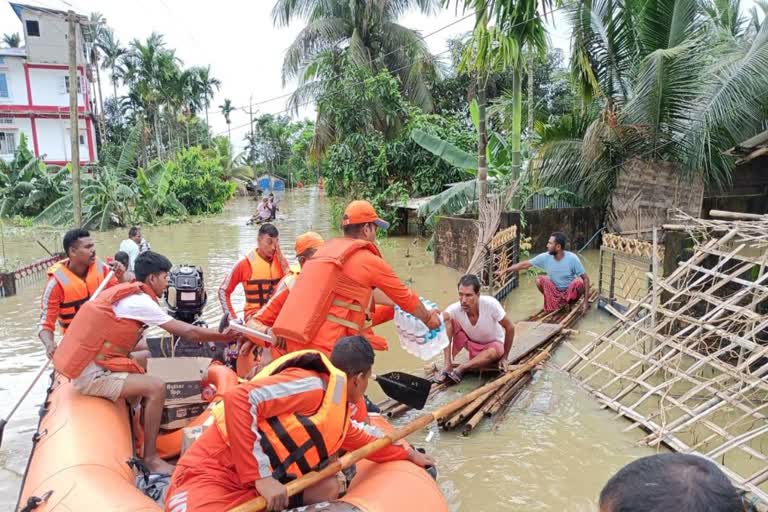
x: 158, y: 465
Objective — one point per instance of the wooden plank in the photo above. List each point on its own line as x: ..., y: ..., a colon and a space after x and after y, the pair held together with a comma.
x: 529, y: 336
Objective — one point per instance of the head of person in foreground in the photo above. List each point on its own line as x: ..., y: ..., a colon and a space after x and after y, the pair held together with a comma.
x: 354, y: 356
x: 670, y: 482
x: 152, y: 269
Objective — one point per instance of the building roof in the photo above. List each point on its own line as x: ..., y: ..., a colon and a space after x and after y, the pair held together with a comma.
x: 13, y: 52
x: 750, y: 148
x: 85, y: 25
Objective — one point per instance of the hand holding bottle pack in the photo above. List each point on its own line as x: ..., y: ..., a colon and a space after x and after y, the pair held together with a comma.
x: 416, y: 338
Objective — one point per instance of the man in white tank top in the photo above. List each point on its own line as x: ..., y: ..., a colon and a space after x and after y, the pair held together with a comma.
x: 479, y: 324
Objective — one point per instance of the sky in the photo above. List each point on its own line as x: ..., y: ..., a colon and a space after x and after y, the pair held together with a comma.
x: 238, y: 40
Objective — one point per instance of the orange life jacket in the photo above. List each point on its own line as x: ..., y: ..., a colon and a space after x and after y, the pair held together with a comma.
x: 323, y: 284
x: 96, y: 334
x: 77, y: 290
x: 260, y: 287
x: 295, y: 444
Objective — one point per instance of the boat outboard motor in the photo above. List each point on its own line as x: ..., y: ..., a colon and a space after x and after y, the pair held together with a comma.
x: 186, y: 296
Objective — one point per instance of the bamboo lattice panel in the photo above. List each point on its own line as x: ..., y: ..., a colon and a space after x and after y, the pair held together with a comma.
x: 693, y: 376
x: 631, y: 246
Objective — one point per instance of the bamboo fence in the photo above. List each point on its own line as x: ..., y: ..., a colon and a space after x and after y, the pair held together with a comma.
x: 688, y: 362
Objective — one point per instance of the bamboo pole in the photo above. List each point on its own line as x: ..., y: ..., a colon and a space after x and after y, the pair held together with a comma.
x: 346, y: 460
x: 505, y: 395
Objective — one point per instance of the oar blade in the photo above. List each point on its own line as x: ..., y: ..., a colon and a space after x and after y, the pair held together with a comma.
x: 407, y: 389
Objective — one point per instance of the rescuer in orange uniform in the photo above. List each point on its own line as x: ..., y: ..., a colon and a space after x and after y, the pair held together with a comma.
x: 305, y: 247
x: 71, y: 283
x: 96, y: 350
x: 300, y: 406
x: 259, y: 272
x: 332, y: 297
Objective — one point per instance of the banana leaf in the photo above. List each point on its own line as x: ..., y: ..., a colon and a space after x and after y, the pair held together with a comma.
x: 444, y: 150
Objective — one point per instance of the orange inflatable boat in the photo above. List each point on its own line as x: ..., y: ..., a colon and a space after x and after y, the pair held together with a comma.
x: 83, y: 444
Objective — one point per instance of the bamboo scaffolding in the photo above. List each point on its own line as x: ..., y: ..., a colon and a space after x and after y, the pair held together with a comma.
x: 688, y: 362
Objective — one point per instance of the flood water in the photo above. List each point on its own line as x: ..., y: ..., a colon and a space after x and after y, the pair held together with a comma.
x: 554, y: 448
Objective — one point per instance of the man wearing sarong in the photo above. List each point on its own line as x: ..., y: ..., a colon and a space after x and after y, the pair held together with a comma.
x: 566, y: 279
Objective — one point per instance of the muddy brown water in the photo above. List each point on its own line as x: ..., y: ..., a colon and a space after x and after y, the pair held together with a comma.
x: 553, y: 449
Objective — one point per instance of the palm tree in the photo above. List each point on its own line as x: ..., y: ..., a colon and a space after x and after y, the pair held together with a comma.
x: 205, y: 87
x: 367, y: 32
x: 148, y: 68
x: 98, y: 25
x: 12, y: 40
x: 679, y: 85
x: 113, y: 53
x: 226, y: 108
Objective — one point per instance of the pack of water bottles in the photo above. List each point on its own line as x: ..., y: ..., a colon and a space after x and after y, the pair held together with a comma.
x: 416, y: 338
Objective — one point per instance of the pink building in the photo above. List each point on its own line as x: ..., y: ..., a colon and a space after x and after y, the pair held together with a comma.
x: 34, y: 89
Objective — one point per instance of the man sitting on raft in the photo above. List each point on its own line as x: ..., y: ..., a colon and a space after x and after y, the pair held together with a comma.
x: 566, y: 279
x: 96, y: 352
x: 477, y: 323
x: 289, y: 420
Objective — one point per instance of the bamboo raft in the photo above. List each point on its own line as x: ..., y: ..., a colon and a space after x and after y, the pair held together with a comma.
x: 539, y: 334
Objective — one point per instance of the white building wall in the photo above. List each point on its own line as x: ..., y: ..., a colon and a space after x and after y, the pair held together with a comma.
x: 51, y: 46
x: 52, y: 139
x: 49, y: 87
x: 13, y: 68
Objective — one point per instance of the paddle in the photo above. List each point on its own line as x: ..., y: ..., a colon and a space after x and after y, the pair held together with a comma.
x: 348, y: 459
x: 42, y: 369
x: 408, y: 389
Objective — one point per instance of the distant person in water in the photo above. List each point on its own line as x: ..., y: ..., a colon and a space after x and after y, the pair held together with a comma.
x: 566, y: 280
x: 263, y: 213
x: 479, y: 324
x: 670, y: 482
x: 272, y: 204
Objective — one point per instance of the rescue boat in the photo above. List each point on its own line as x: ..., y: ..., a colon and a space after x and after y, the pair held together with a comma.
x: 84, y: 446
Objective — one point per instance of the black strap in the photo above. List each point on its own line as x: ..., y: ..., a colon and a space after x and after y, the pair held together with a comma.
x: 269, y: 451
x: 295, y: 453
x: 315, y: 435
x: 75, y: 303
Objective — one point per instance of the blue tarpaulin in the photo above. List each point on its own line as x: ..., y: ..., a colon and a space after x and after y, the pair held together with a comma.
x: 268, y: 183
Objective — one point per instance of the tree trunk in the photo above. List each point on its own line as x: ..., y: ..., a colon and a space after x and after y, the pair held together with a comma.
x: 229, y: 132
x: 101, y: 101
x: 517, y: 120
x: 157, y: 135
x: 531, y: 99
x: 482, y: 141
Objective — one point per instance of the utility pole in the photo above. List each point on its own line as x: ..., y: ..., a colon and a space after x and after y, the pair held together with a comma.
x: 250, y: 152
x: 73, y: 120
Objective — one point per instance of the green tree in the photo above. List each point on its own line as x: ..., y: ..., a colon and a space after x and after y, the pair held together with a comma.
x: 12, y: 40
x: 226, y: 109
x: 359, y: 34
x: 113, y: 53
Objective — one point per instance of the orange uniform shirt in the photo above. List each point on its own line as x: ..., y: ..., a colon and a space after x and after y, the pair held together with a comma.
x: 239, y: 274
x: 53, y: 296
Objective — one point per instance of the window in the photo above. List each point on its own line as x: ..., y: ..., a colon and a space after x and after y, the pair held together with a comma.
x: 2, y: 60
x: 82, y: 139
x: 66, y: 85
x: 7, y: 143
x: 4, y: 93
x: 33, y: 28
